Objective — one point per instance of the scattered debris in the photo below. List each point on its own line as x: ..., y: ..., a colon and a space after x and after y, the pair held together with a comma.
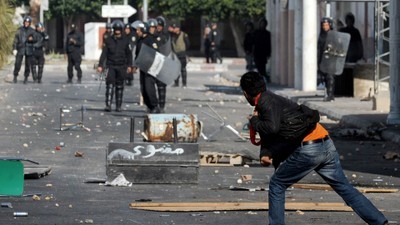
x: 36, y: 171
x: 6, y: 205
x: 36, y: 198
x: 246, y: 177
x: 119, y: 181
x: 20, y: 214
x: 79, y: 154
x: 391, y: 155
x: 234, y: 188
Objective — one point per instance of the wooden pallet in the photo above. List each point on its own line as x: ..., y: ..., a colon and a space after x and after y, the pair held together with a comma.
x: 222, y: 159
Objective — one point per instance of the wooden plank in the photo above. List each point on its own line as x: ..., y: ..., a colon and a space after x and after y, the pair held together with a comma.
x: 326, y: 187
x: 237, y: 206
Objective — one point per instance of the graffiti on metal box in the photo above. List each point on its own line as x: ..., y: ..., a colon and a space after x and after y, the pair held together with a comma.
x: 143, y: 152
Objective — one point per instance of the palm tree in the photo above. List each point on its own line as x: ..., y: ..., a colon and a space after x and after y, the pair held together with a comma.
x: 8, y: 31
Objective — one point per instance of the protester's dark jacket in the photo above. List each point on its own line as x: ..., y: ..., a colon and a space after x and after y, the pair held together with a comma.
x: 272, y: 112
x: 117, y: 52
x: 74, y: 42
x: 262, y: 44
x: 21, y: 42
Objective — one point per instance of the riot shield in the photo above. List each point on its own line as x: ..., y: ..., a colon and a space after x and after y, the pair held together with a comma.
x: 165, y: 69
x: 335, y: 51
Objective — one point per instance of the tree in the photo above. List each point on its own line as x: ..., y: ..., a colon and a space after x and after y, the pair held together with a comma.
x: 7, y: 31
x: 215, y: 10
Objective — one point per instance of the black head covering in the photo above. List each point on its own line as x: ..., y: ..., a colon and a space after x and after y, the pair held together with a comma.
x: 252, y: 83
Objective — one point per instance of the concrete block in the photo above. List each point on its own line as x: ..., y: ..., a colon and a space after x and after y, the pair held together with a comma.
x: 381, y: 101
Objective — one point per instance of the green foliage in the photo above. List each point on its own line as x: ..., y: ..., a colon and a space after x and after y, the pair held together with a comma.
x: 213, y: 9
x: 71, y: 8
x: 7, y: 31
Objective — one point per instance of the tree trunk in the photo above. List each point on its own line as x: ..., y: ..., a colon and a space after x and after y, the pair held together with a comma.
x: 35, y: 10
x: 236, y: 37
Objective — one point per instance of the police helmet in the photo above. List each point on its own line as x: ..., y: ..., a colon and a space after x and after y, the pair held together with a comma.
x: 327, y: 20
x: 144, y: 27
x: 152, y: 22
x: 108, y: 26
x: 160, y: 21
x: 39, y: 24
x: 128, y: 26
x: 117, y: 25
x: 135, y: 24
x: 27, y: 19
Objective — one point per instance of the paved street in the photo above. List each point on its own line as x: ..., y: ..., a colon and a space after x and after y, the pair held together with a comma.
x: 30, y: 128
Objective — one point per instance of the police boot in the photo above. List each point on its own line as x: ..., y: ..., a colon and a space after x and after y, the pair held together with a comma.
x: 330, y: 89
x: 40, y: 74
x: 162, y: 90
x: 119, y: 94
x: 34, y: 74
x: 15, y: 79
x: 184, y: 77
x: 25, y: 80
x: 109, y: 97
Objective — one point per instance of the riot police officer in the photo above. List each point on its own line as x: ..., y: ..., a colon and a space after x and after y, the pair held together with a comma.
x: 116, y: 57
x: 108, y: 32
x: 147, y: 81
x: 38, y: 53
x: 329, y: 79
x: 73, y: 44
x: 156, y: 29
x: 180, y: 44
x: 131, y: 36
x: 23, y: 46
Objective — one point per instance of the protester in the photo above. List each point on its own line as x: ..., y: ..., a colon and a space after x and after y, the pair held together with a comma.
x: 293, y: 140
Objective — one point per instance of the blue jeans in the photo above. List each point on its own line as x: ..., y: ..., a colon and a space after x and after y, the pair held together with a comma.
x: 322, y: 158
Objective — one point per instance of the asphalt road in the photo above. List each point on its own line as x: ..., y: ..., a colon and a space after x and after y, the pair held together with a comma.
x: 30, y: 122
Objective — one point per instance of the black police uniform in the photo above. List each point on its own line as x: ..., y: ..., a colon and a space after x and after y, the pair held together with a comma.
x: 73, y: 45
x: 132, y: 42
x: 147, y: 81
x: 215, y: 46
x: 38, y: 55
x: 24, y: 47
x: 117, y: 55
x: 262, y: 49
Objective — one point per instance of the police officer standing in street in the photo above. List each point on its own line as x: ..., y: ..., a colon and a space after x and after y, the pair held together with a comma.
x: 38, y: 53
x: 116, y: 57
x: 108, y: 32
x: 131, y: 36
x: 329, y: 79
x: 23, y: 46
x: 215, y: 44
x: 147, y: 81
x: 180, y: 43
x: 156, y: 29
x: 73, y: 44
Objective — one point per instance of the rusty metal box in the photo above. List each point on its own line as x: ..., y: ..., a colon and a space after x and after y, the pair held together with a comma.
x: 159, y: 127
x: 158, y: 163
